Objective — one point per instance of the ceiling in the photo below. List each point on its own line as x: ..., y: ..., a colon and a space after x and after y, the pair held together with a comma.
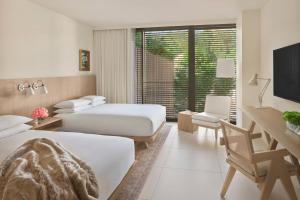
x: 136, y: 13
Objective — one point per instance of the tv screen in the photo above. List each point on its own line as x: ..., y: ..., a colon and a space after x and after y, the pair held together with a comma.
x: 287, y: 72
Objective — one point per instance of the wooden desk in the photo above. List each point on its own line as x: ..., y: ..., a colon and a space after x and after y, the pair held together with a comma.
x: 270, y: 120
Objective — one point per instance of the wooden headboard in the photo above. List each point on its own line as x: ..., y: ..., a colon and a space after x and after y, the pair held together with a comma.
x: 59, y: 88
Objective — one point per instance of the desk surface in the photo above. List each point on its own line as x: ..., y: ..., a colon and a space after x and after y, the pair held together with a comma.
x: 270, y: 120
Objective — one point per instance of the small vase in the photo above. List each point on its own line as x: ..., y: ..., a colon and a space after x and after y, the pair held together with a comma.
x: 294, y: 128
x: 39, y: 120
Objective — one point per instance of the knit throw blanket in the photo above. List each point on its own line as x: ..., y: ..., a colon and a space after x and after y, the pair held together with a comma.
x: 42, y: 169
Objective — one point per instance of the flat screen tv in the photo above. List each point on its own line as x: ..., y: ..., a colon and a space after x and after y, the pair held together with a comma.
x: 287, y: 72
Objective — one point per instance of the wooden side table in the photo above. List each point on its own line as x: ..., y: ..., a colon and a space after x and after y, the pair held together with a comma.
x: 49, y: 124
x: 185, y: 121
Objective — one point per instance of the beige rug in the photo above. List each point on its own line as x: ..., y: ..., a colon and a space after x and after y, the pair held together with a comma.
x: 133, y: 183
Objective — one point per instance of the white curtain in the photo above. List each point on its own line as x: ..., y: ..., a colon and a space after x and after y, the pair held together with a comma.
x: 113, y: 53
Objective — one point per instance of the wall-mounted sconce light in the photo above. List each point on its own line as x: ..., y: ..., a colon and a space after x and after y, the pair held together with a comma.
x: 39, y: 84
x: 27, y: 88
x: 30, y: 88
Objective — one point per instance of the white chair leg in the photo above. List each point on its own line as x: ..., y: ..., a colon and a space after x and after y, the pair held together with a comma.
x: 216, y: 133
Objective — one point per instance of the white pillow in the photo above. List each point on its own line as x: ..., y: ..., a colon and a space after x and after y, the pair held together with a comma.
x: 97, y: 103
x: 14, y: 130
x: 72, y: 110
x: 8, y: 121
x: 72, y: 103
x: 94, y: 98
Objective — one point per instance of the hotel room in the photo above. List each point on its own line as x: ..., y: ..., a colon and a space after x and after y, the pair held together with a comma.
x: 149, y: 100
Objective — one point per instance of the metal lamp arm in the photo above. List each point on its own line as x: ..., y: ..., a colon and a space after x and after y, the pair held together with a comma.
x: 261, y: 94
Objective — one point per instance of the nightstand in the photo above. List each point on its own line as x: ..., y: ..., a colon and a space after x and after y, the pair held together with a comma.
x: 185, y: 121
x: 49, y: 124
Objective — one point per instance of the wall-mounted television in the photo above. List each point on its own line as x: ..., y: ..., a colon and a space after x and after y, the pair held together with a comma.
x: 286, y: 73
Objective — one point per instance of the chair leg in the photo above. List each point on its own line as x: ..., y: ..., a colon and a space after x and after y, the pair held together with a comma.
x: 259, y: 186
x: 267, y: 188
x: 288, y: 186
x: 228, y: 179
x: 146, y: 145
x: 216, y: 134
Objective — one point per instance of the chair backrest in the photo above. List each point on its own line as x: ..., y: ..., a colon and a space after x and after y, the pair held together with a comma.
x: 238, y: 144
x: 218, y: 105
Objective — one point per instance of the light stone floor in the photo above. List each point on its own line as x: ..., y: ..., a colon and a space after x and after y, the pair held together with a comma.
x: 193, y: 167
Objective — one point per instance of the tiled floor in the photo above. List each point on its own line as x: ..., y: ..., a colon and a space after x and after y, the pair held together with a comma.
x: 192, y: 167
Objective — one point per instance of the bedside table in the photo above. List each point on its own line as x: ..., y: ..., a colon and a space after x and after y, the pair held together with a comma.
x: 49, y: 124
x: 185, y: 121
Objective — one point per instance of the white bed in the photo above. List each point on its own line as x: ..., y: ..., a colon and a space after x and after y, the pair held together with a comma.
x: 133, y: 120
x: 110, y: 157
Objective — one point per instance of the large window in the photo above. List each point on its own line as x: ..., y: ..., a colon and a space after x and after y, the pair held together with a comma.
x: 176, y: 66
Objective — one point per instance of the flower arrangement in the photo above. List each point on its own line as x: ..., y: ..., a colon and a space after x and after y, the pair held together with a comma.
x: 39, y: 114
x: 293, y: 121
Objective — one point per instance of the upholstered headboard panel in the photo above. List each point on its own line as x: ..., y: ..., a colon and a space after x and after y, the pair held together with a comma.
x: 59, y: 88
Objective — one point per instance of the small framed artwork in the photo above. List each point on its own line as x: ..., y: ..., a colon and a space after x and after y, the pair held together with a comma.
x: 84, y: 60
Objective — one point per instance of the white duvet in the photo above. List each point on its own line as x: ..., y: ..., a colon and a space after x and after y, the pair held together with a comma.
x: 110, y: 157
x: 116, y: 119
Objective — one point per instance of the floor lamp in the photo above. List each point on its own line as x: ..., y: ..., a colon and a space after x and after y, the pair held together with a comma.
x: 225, y: 68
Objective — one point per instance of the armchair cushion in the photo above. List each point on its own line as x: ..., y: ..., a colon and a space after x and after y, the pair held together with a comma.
x: 208, y: 117
x: 206, y: 124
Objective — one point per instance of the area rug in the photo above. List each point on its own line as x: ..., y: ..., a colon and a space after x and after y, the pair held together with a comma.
x: 133, y: 183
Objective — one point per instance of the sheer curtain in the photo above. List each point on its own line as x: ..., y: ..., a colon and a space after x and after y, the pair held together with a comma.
x: 114, y: 65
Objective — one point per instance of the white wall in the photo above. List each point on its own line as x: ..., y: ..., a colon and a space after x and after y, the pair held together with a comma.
x: 248, y: 54
x: 280, y: 26
x: 37, y: 42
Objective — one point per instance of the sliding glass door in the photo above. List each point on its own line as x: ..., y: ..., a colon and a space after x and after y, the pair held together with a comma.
x: 211, y: 44
x: 176, y: 66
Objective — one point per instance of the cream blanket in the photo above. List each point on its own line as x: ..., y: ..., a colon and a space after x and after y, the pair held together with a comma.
x: 42, y: 169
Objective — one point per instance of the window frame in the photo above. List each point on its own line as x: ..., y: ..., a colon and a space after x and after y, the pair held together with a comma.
x: 191, y: 60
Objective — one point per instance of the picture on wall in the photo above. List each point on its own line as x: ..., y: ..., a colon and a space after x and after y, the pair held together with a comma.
x: 84, y: 60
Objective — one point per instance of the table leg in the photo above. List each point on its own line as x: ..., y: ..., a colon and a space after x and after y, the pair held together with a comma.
x: 273, y: 144
x: 296, y: 163
x: 267, y: 135
x: 271, y: 141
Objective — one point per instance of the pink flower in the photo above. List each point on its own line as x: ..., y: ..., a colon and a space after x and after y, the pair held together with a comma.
x: 40, y: 112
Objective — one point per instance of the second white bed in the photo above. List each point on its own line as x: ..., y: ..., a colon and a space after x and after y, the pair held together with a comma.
x: 134, y: 120
x: 109, y: 157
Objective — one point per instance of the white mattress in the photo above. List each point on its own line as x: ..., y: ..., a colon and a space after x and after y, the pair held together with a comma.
x: 116, y: 119
x: 110, y: 157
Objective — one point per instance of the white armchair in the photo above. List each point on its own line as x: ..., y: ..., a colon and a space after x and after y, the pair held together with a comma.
x: 216, y: 108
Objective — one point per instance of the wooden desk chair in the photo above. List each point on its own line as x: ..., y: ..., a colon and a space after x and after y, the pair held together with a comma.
x: 263, y: 168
